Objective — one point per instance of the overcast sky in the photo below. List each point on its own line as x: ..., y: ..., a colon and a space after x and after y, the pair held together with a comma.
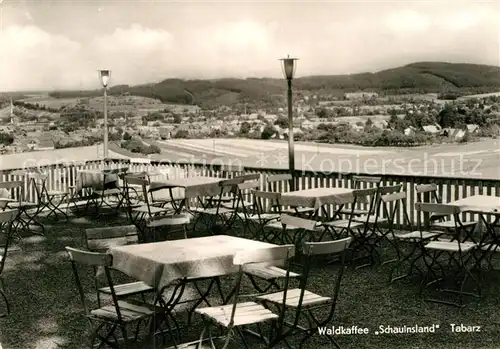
x: 60, y: 44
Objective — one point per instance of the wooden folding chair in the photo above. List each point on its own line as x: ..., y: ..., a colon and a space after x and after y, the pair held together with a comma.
x: 101, y: 240
x: 302, y: 304
x: 237, y: 316
x: 270, y: 274
x: 229, y: 197
x: 268, y: 213
x: 362, y: 182
x: 248, y: 212
x: 116, y: 192
x: 141, y: 210
x: 359, y: 229
x: 459, y: 251
x: 219, y: 213
x: 242, y: 194
x: 28, y: 210
x: 378, y: 217
x: 6, y: 221
x: 48, y: 199
x: 117, y: 315
x: 281, y: 183
x: 443, y: 222
x: 416, y: 239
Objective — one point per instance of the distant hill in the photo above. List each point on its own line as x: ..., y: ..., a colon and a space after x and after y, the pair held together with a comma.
x: 422, y: 77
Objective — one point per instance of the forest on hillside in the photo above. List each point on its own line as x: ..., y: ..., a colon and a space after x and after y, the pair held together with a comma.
x: 425, y: 77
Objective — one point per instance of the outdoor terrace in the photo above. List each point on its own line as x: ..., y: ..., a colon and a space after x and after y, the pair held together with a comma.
x: 46, y: 311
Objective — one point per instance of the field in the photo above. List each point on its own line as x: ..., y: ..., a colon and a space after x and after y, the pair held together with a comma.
x: 137, y: 105
x: 474, y: 160
x: 478, y: 160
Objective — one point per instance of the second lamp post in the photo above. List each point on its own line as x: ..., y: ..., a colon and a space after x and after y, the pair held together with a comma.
x: 289, y: 65
x: 105, y: 75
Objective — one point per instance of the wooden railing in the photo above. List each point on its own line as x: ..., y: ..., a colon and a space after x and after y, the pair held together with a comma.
x: 61, y: 176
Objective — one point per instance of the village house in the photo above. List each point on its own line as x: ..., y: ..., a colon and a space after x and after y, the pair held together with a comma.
x: 360, y: 95
x: 270, y: 117
x: 472, y: 128
x: 307, y: 125
x: 410, y: 131
x: 433, y: 129
x: 453, y: 133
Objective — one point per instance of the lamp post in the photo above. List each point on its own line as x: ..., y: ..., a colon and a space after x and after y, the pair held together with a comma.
x: 288, y: 65
x: 105, y: 75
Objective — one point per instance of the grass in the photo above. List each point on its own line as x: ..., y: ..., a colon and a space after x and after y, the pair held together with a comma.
x: 46, y: 312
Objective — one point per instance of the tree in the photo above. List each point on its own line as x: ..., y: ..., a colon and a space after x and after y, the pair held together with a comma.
x: 6, y: 139
x: 245, y: 128
x: 268, y: 132
x: 322, y: 113
x: 282, y: 122
x: 447, y: 117
x: 181, y: 134
x: 177, y: 119
x: 127, y: 136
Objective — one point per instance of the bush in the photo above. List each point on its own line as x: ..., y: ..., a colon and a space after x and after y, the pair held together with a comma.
x: 268, y: 132
x: 181, y: 134
x: 6, y: 139
x: 136, y: 146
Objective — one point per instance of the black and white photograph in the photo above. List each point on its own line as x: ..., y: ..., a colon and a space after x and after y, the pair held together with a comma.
x: 267, y: 174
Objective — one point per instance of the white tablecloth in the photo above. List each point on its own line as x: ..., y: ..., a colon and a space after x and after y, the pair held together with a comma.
x: 160, y: 263
x: 317, y: 197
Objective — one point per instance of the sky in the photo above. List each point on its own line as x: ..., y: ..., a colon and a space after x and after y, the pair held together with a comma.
x: 47, y: 45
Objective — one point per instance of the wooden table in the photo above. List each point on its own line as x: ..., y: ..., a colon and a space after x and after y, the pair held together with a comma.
x: 484, y: 206
x: 318, y: 197
x: 193, y: 186
x: 160, y: 263
x: 480, y: 204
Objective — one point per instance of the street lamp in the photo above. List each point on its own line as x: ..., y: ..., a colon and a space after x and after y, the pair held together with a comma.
x: 288, y: 65
x: 105, y: 75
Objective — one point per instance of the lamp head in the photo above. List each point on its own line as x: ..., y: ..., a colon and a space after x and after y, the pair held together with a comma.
x: 288, y: 65
x: 105, y: 75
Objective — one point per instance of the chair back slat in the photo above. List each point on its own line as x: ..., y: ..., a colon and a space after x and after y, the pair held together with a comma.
x: 262, y: 255
x: 136, y: 180
x: 359, y: 193
x: 444, y: 209
x: 367, y: 179
x: 426, y: 188
x: 267, y: 195
x: 111, y: 232
x: 249, y: 185
x: 249, y: 177
x: 326, y: 247
x: 231, y: 182
x: 390, y: 189
x: 102, y: 239
x: 11, y: 184
x: 393, y: 197
x: 93, y: 259
x: 299, y: 222
x: 117, y: 171
x: 167, y: 220
x: 278, y: 178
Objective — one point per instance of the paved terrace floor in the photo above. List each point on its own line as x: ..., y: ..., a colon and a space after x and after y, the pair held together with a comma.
x: 47, y: 313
